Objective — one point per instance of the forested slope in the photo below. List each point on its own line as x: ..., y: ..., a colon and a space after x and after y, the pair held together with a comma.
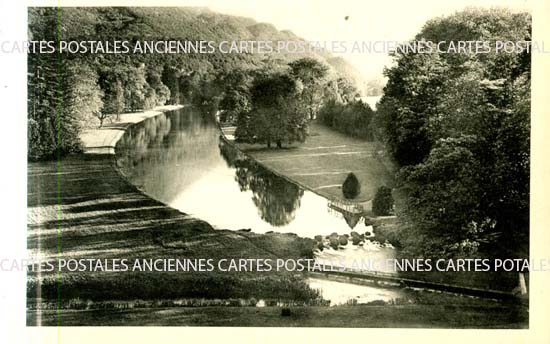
x: 70, y: 91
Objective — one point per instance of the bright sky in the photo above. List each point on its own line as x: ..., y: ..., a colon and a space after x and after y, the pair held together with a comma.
x: 384, y: 20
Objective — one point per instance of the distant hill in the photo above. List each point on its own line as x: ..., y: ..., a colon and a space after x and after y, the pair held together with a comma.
x: 94, y: 87
x: 348, y: 71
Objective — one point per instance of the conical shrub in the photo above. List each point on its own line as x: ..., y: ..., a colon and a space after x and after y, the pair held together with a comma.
x: 351, y: 187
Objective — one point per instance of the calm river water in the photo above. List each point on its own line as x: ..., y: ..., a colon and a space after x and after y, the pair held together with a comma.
x: 180, y: 159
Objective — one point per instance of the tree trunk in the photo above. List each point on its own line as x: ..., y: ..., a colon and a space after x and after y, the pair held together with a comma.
x: 268, y: 144
x: 279, y: 144
x: 522, y: 285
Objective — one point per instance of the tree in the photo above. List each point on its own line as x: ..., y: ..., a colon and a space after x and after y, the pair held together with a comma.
x: 113, y: 101
x: 233, y: 103
x: 351, y: 188
x: 329, y: 112
x: 382, y: 204
x: 347, y: 91
x: 311, y: 74
x: 410, y: 99
x: 276, y: 199
x: 53, y: 127
x: 445, y: 200
x: 170, y: 78
x: 85, y: 94
x: 55, y: 118
x: 157, y: 93
x: 236, y: 98
x: 135, y: 87
x: 353, y: 118
x: 459, y: 127
x: 275, y: 115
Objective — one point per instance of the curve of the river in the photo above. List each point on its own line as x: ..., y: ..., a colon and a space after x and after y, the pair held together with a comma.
x: 179, y: 158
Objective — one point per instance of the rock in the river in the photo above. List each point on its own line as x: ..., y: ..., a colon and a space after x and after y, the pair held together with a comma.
x: 320, y: 246
x: 343, y: 240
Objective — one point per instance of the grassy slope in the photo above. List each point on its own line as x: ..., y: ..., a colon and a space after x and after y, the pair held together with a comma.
x: 324, y: 160
x: 444, y: 315
x: 82, y: 208
x: 96, y: 213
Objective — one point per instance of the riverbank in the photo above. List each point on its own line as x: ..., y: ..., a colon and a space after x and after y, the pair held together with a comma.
x: 322, y: 163
x: 319, y: 161
x: 81, y: 207
x: 103, y: 140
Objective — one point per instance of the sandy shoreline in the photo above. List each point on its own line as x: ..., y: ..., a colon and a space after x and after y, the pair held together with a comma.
x: 103, y: 140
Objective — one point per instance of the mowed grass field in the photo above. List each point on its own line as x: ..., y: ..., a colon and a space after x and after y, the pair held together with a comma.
x: 476, y: 314
x: 80, y: 207
x: 322, y: 163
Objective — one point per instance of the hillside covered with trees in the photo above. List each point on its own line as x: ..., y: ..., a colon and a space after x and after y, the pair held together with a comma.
x: 69, y: 92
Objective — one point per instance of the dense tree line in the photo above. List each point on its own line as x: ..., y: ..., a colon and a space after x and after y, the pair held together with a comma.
x: 276, y: 107
x: 70, y: 92
x: 354, y: 118
x: 275, y: 115
x: 341, y: 110
x: 458, y: 125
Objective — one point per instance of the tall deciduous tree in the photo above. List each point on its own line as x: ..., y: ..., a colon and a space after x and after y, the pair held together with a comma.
x: 52, y: 127
x: 135, y: 87
x: 275, y: 116
x: 84, y: 94
x: 312, y: 74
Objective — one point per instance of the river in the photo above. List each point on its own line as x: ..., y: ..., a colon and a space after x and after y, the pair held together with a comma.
x: 180, y: 159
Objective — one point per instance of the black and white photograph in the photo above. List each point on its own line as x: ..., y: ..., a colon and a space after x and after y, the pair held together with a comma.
x: 334, y: 164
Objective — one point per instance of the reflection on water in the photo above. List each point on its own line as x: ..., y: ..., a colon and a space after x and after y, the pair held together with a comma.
x: 179, y: 159
x: 168, y: 153
x: 276, y: 199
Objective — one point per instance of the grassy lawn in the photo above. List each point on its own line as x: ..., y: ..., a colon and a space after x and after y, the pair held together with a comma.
x: 483, y: 315
x: 98, y: 214
x: 322, y: 163
x: 82, y: 208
